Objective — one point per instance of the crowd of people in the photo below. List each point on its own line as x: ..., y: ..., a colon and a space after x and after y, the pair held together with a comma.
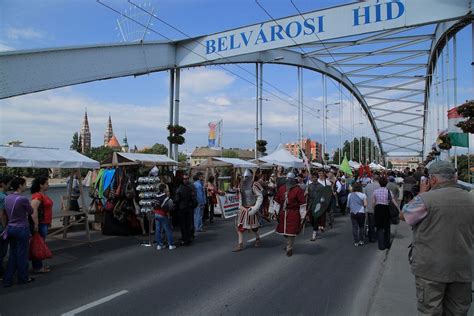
x: 20, y: 218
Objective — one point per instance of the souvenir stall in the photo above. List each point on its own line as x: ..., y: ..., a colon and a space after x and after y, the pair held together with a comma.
x: 33, y: 157
x: 227, y: 172
x: 124, y: 191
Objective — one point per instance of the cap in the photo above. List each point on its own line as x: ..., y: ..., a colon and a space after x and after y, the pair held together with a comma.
x: 442, y: 167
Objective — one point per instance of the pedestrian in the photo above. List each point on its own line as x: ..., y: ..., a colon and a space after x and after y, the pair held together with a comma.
x: 212, y: 192
x: 369, y: 192
x: 394, y: 189
x: 381, y: 200
x: 42, y: 214
x: 319, y: 196
x: 342, y: 196
x: 290, y: 203
x: 17, y: 208
x: 4, y: 187
x: 186, y: 202
x: 201, y: 199
x: 357, y: 203
x: 163, y: 208
x: 408, y: 183
x: 250, y: 201
x: 442, y: 248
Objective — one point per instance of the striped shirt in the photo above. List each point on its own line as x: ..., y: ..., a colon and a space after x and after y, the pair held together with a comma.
x: 381, y: 196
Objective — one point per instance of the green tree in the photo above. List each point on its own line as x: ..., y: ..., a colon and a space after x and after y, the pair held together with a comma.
x: 227, y: 153
x: 182, y: 157
x: 463, y: 165
x: 75, y: 143
x: 157, y: 149
x: 100, y: 153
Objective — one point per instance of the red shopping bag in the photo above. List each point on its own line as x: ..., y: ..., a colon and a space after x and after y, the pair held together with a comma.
x: 38, y: 248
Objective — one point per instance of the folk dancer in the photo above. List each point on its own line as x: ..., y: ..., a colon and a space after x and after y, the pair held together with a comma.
x: 250, y: 201
x: 290, y: 205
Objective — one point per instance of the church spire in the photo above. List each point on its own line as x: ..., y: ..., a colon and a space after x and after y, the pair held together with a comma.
x: 109, y: 132
x: 85, y: 136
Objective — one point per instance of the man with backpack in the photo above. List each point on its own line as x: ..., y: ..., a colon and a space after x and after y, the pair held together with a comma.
x: 186, y: 202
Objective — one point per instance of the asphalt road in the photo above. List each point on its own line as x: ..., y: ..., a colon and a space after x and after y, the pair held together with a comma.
x: 118, y: 277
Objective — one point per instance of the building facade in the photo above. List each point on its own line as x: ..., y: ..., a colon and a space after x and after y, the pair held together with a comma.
x: 312, y: 149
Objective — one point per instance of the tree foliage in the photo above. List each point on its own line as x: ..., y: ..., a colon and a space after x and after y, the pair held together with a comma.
x: 100, y: 153
x: 463, y: 171
x: 156, y: 149
x: 75, y: 143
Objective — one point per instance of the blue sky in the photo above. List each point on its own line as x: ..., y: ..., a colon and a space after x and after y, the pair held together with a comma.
x: 139, y: 106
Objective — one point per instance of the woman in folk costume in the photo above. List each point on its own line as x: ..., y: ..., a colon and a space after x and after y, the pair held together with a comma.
x: 290, y: 204
x: 250, y: 201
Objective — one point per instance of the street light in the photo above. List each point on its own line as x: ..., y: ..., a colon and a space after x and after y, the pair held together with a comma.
x: 259, y: 99
x: 325, y: 124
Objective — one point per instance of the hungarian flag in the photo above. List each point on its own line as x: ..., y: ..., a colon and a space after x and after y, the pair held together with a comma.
x: 456, y: 135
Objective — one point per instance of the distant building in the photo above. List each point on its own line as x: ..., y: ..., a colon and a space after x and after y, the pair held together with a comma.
x: 109, y: 132
x: 401, y: 164
x: 85, y: 136
x: 312, y: 149
x: 114, y: 144
x: 125, y: 147
x: 202, y: 153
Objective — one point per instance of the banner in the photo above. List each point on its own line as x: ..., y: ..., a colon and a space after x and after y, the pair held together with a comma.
x: 227, y: 205
x: 212, y: 134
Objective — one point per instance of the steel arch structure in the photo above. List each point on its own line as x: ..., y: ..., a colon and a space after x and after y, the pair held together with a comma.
x: 384, y: 55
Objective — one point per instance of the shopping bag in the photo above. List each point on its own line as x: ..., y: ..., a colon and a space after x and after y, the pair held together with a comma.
x: 38, y: 248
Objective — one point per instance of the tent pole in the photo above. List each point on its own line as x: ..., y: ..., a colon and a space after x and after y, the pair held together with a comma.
x: 84, y: 208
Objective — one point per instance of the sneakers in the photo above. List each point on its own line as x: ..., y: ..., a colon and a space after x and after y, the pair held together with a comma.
x: 356, y: 244
x: 361, y: 243
x: 159, y: 247
x: 171, y: 247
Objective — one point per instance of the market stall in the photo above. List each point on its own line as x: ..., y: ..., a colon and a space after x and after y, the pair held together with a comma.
x: 124, y: 189
x: 226, y: 171
x: 33, y: 157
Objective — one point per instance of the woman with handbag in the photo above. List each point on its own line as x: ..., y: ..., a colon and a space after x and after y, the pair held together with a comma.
x: 381, y: 199
x: 17, y: 208
x: 357, y: 203
x: 42, y: 215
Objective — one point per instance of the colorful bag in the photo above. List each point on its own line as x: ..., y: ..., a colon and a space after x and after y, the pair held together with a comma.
x: 38, y: 248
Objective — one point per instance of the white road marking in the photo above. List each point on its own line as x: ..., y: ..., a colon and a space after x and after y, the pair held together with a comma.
x: 261, y: 236
x: 95, y: 303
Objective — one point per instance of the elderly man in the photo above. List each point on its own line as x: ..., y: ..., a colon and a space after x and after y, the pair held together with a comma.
x: 442, y: 218
x: 369, y: 191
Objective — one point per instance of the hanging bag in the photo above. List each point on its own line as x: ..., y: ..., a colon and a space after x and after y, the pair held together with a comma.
x: 393, y: 210
x: 38, y: 248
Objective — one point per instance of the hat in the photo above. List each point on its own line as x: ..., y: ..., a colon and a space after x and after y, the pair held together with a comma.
x: 442, y: 167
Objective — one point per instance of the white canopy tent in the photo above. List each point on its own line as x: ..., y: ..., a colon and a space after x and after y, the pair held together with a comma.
x: 227, y: 162
x: 31, y: 157
x: 317, y: 164
x: 354, y: 164
x: 282, y: 157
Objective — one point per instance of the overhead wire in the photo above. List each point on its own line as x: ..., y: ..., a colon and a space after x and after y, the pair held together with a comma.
x: 220, y: 66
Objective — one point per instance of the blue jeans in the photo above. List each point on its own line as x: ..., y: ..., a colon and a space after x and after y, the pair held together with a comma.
x: 3, y: 253
x: 18, y: 238
x: 198, y: 218
x: 43, y: 231
x: 163, y: 221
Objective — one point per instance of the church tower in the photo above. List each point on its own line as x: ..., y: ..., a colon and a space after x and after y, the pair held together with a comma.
x: 109, y: 132
x: 85, y: 136
x: 125, y: 147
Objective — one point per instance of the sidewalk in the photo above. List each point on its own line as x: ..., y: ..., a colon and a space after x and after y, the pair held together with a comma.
x: 396, y: 293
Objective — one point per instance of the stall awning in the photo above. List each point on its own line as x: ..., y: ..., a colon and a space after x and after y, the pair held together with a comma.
x: 149, y: 160
x: 227, y: 162
x: 31, y: 157
x: 282, y: 157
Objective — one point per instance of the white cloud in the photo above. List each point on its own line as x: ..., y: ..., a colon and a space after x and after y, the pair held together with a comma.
x: 202, y: 81
x: 5, y: 48
x: 23, y: 33
x: 221, y: 101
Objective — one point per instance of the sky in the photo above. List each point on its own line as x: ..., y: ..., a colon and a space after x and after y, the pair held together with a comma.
x: 139, y: 106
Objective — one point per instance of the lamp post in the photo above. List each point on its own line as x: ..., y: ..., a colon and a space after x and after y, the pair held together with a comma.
x: 326, y: 123
x: 259, y: 99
